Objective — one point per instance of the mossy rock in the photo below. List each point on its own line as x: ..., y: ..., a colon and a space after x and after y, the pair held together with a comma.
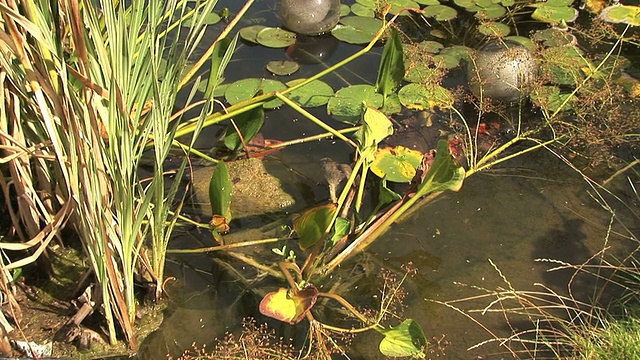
x: 255, y: 191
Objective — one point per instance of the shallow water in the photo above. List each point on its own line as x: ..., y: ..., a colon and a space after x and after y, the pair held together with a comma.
x: 531, y: 208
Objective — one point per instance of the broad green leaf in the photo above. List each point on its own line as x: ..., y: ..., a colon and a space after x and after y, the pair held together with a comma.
x: 440, y: 12
x: 315, y: 93
x: 356, y: 29
x: 391, y: 70
x: 275, y: 37
x: 362, y: 10
x: 406, y: 339
x: 313, y: 225
x: 444, y: 173
x: 428, y: 2
x: 291, y: 309
x: 397, y: 164
x: 341, y: 228
x: 344, y: 10
x: 385, y: 196
x: 220, y: 192
x: 491, y: 12
x: 494, y: 29
x: 348, y: 103
x: 422, y: 97
x: 551, y: 99
x: 250, y: 33
x: 626, y: 14
x: 554, y: 37
x: 247, y: 88
x: 209, y: 19
x: 282, y: 67
x: 375, y: 128
x: 249, y: 123
x: 392, y: 105
x: 554, y: 14
x: 222, y: 52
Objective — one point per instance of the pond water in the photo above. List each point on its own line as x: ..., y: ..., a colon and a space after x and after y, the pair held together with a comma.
x: 530, y: 208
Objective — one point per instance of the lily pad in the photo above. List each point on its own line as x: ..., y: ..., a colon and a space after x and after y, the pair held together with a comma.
x: 275, y: 37
x: 396, y: 164
x: 250, y: 33
x: 625, y: 14
x: 348, y: 103
x: 209, y: 19
x: 315, y: 93
x: 247, y: 88
x: 554, y: 37
x: 362, y: 10
x: 423, y: 96
x: 494, y: 29
x: 356, y: 29
x: 404, y: 340
x: 283, y: 67
x: 440, y: 12
x: 491, y: 13
x: 286, y: 307
x: 554, y: 14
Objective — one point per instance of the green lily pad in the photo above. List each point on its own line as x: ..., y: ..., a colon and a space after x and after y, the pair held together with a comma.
x: 404, y: 340
x: 465, y: 3
x: 397, y: 164
x: 283, y: 67
x: 495, y: 29
x: 245, y: 89
x: 344, y: 10
x: 428, y: 2
x: 313, y: 225
x: 440, y: 12
x: 362, y: 10
x: 286, y: 307
x: 446, y: 61
x: 625, y: 14
x: 391, y: 105
x: 459, y: 52
x: 348, y: 103
x: 491, y: 13
x: 209, y: 19
x: 422, y: 97
x: 356, y: 29
x: 250, y: 33
x: 554, y: 14
x: 422, y: 73
x: 554, y: 37
x: 315, y: 93
x: 524, y: 41
x: 275, y: 37
x: 432, y: 47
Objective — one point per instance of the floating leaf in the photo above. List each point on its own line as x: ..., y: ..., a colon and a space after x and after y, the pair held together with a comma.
x: 492, y: 12
x: 440, y: 12
x: 445, y: 61
x: 347, y: 103
x: 406, y: 339
x: 313, y: 225
x: 553, y: 14
x: 250, y: 33
x: 249, y: 123
x: 625, y: 14
x: 356, y: 29
x: 425, y: 96
x: 209, y: 19
x: 392, y: 105
x: 554, y: 37
x: 444, y: 173
x: 391, y: 70
x: 220, y: 192
x: 362, y: 10
x: 344, y: 10
x: 396, y: 164
x: 275, y: 37
x: 494, y: 29
x: 283, y: 67
x: 291, y: 309
x: 315, y: 93
x: 247, y: 88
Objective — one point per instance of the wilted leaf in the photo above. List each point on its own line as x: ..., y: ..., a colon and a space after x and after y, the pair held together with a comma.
x: 291, y: 309
x: 625, y: 14
x: 313, y: 224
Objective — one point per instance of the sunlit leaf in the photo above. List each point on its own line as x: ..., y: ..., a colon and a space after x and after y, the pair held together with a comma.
x: 397, y: 164
x: 362, y: 10
x: 553, y: 14
x: 554, y: 37
x: 341, y: 228
x: 282, y: 67
x: 247, y: 88
x: 249, y: 123
x: 494, y: 29
x: 315, y: 93
x: 220, y: 58
x: 406, y: 339
x: 313, y: 225
x: 250, y: 33
x: 220, y: 188
x: 275, y: 37
x: 625, y: 14
x: 286, y: 307
x: 424, y: 96
x: 375, y: 128
x: 348, y: 103
x: 444, y: 173
x: 392, y: 105
x: 209, y: 19
x: 391, y: 70
x: 356, y: 29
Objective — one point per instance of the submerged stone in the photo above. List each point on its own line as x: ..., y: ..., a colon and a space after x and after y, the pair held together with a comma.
x: 254, y: 192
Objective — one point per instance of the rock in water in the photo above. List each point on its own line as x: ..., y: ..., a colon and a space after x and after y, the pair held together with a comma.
x: 502, y: 70
x: 310, y: 17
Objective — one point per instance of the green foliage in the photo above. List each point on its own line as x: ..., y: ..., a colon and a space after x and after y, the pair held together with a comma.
x: 222, y: 52
x: 287, y: 306
x: 356, y: 29
x: 348, y: 103
x: 444, y: 173
x: 248, y: 124
x: 391, y: 71
x: 220, y: 189
x: 406, y: 339
x: 314, y: 224
x: 316, y: 93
